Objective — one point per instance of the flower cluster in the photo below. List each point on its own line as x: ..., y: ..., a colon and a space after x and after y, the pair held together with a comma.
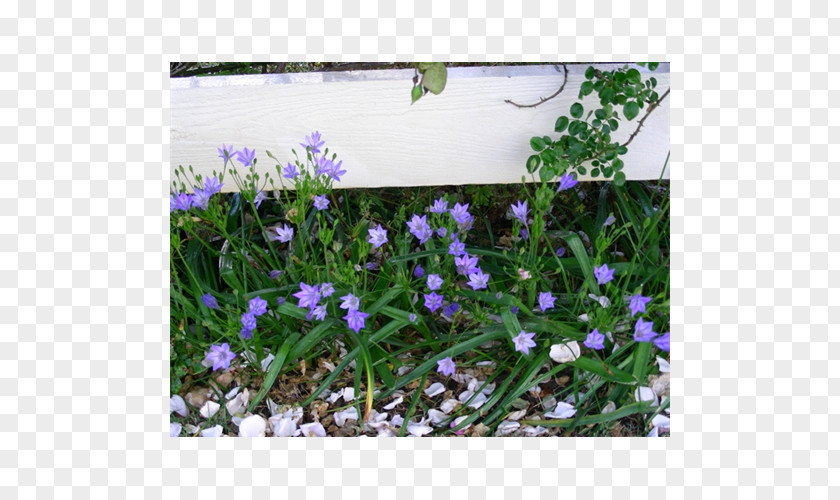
x: 256, y: 307
x: 199, y: 199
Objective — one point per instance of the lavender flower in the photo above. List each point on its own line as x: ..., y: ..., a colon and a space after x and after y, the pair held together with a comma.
x: 201, y: 199
x: 644, y: 331
x: 210, y: 301
x: 419, y: 228
x: 290, y: 172
x: 663, y: 342
x: 604, y: 274
x: 460, y: 214
x: 281, y: 300
x: 372, y: 266
x: 595, y: 340
x: 419, y: 272
x: 284, y: 234
x: 275, y: 273
x: 171, y: 203
x: 456, y: 248
x: 514, y: 310
x: 212, y: 185
x: 327, y: 289
x: 259, y: 198
x: 451, y: 309
x: 378, y: 236
x: 567, y: 181
x: 433, y: 281
x: 183, y: 201
x: 440, y: 206
x: 441, y: 232
x: 249, y: 321
x: 356, y: 319
x: 520, y: 211
x: 323, y: 165
x: 308, y: 296
x: 524, y: 342
x: 546, y: 301
x: 313, y: 142
x: 246, y: 334
x: 560, y: 252
x: 257, y: 306
x: 321, y: 202
x: 246, y: 157
x: 336, y: 171
x: 226, y: 153
x: 638, y: 303
x: 466, y: 265
x: 610, y: 221
x: 412, y: 317
x: 220, y: 356
x: 478, y: 280
x: 350, y: 302
x: 433, y: 301
x: 446, y: 366
x: 318, y: 312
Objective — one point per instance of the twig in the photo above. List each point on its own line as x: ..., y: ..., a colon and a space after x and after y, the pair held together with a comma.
x: 544, y: 99
x: 649, y: 111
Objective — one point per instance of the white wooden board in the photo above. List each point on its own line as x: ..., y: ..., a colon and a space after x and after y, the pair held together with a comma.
x: 466, y: 135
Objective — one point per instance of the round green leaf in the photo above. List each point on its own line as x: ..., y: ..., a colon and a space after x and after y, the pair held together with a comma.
x: 600, y: 114
x: 652, y: 66
x: 416, y: 93
x: 619, y: 179
x: 533, y: 163
x: 590, y: 72
x: 586, y: 88
x: 434, y: 78
x: 631, y: 110
x: 633, y: 75
x: 561, y: 124
x: 576, y: 110
x: 537, y: 143
x: 595, y: 172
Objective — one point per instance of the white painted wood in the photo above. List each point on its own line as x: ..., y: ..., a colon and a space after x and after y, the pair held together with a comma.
x: 466, y: 135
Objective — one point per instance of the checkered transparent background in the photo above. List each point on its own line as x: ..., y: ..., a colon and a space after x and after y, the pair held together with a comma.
x: 83, y: 237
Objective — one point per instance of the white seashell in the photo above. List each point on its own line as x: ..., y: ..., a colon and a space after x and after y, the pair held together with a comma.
x: 403, y: 370
x: 334, y: 397
x: 349, y: 394
x: 662, y: 422
x: 418, y: 430
x: 478, y: 401
x: 609, y: 407
x: 178, y: 405
x: 341, y: 417
x: 584, y: 317
x: 457, y: 422
x: 253, y: 426
x: 464, y: 396
x: 646, y: 394
x: 516, y: 415
x: 449, y: 405
x: 282, y: 426
x: 571, y: 398
x: 530, y: 431
x: 436, y: 416
x: 565, y: 353
x: 264, y: 364
x: 435, y: 389
x: 191, y: 429
x: 604, y: 301
x: 315, y: 429
x: 212, y: 432
x: 397, y: 421
x: 549, y: 403
x: 664, y: 366
x: 393, y: 404
x: 562, y: 410
x: 174, y: 429
x: 507, y: 427
x: 238, y: 404
x: 209, y: 409
x: 233, y: 392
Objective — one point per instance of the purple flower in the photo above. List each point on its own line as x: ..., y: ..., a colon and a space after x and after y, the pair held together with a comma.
x: 281, y: 301
x: 520, y: 211
x: 514, y: 310
x: 595, y: 340
x: 378, y: 236
x: 560, y: 252
x: 478, y: 280
x: 604, y: 274
x: 336, y: 171
x: 313, y: 142
x: 308, y: 296
x: 441, y: 232
x: 220, y: 356
x: 327, y: 289
x: 466, y: 265
x: 524, y: 234
x: 440, y: 206
x: 546, y: 301
x: 321, y: 202
x: 290, y: 172
x: 323, y: 165
x: 257, y: 306
x: 171, y: 203
x: 451, y: 309
x: 610, y: 221
x: 210, y: 301
x: 259, y: 198
x: 246, y: 157
x: 446, y: 366
x: 356, y: 319
x: 524, y: 342
x: 419, y: 272
x: 249, y: 321
x: 460, y: 214
x: 637, y: 304
x: 456, y: 248
x: 212, y: 185
x: 372, y: 266
x: 412, y: 317
x: 226, y: 153
x: 246, y: 334
x: 663, y: 342
x: 275, y: 273
x: 350, y: 302
x: 567, y: 181
x: 644, y: 331
x: 284, y: 234
x: 201, y: 199
x: 419, y: 228
x: 433, y: 281
x: 183, y: 201
x: 318, y: 312
x: 433, y: 301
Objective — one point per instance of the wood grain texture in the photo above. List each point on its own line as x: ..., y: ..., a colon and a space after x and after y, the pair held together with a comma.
x: 466, y: 135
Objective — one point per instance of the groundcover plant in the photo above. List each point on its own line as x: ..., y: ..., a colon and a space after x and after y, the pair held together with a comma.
x: 517, y: 310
